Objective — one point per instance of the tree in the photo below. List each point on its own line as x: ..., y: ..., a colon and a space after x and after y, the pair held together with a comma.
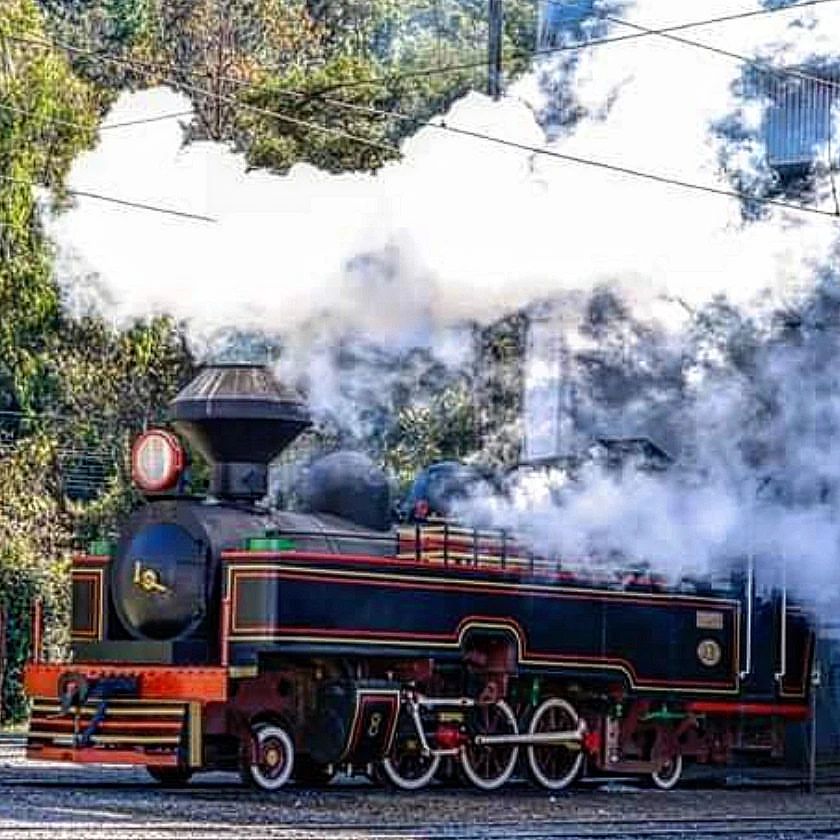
x: 47, y: 117
x: 319, y: 63
x: 414, y: 58
x: 113, y: 383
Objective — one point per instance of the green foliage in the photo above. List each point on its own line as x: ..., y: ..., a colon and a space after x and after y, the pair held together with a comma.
x: 34, y: 529
x: 300, y: 94
x: 294, y: 57
x: 35, y: 148
x: 391, y: 47
x: 129, y: 19
x: 113, y: 383
x: 442, y: 428
x: 79, y: 386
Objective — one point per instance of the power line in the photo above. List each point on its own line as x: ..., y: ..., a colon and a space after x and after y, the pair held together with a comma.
x: 752, y: 62
x: 71, y: 124
x: 576, y: 47
x: 537, y: 150
x: 153, y: 68
x: 452, y: 68
x: 137, y: 205
x: 146, y: 120
x: 97, y: 196
x: 642, y: 32
x: 625, y: 170
x: 635, y: 173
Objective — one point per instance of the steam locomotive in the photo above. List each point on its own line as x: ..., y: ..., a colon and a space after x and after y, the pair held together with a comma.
x: 220, y: 633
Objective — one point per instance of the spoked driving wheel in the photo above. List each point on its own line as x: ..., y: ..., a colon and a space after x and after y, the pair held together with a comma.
x: 489, y: 766
x: 270, y: 759
x: 554, y: 766
x: 669, y: 774
x: 406, y: 766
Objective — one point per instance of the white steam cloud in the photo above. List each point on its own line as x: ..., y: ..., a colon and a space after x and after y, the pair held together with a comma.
x: 472, y: 229
x: 461, y: 229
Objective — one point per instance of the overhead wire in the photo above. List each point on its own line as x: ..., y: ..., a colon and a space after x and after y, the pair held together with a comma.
x: 757, y: 63
x: 642, y: 32
x: 110, y: 199
x: 574, y: 47
x: 537, y: 150
x: 636, y: 173
x: 436, y: 70
x: 155, y: 67
x: 145, y: 120
x: 763, y: 67
x: 108, y: 127
x: 617, y: 168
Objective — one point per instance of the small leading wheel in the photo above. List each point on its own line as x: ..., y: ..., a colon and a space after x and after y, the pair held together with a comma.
x: 667, y: 776
x: 554, y: 767
x: 406, y: 767
x: 489, y: 766
x: 269, y: 762
x: 171, y: 777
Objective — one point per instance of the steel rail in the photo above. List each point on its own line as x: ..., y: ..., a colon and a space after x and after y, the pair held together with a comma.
x: 677, y: 827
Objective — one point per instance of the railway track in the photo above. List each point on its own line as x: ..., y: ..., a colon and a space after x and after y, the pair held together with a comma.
x: 776, y: 828
x: 43, y: 802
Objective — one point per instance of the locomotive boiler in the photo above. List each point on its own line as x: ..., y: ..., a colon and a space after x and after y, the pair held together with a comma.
x: 222, y: 633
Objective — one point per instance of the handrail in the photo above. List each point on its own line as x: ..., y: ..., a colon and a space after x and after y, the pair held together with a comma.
x: 457, y: 547
x: 750, y: 598
x: 782, y: 672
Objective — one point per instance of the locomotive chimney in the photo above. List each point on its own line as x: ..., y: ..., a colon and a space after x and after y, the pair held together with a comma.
x: 239, y: 417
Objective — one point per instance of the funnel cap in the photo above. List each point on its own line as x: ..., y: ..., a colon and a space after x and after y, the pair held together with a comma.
x: 238, y: 413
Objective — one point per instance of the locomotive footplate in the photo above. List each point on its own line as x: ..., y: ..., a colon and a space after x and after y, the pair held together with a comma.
x: 119, y: 730
x: 354, y: 722
x: 145, y: 716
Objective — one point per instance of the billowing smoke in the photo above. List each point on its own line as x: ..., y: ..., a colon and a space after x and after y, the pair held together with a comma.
x: 461, y: 229
x: 751, y: 415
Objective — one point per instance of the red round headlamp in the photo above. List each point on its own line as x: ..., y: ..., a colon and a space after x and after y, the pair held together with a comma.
x: 157, y: 461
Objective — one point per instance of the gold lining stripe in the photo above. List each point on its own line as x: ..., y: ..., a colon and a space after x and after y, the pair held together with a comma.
x: 136, y: 739
x: 112, y: 739
x: 559, y: 665
x: 240, y: 671
x: 97, y: 633
x: 112, y: 713
x: 732, y: 605
x: 195, y: 757
x: 568, y: 591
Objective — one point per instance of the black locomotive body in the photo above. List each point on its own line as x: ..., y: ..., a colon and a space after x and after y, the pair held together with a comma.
x: 218, y: 634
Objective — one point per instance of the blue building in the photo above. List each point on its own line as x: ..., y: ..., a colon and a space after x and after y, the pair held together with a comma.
x: 560, y: 20
x: 799, y: 118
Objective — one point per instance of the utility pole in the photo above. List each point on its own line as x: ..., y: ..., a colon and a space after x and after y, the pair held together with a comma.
x: 495, y: 20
